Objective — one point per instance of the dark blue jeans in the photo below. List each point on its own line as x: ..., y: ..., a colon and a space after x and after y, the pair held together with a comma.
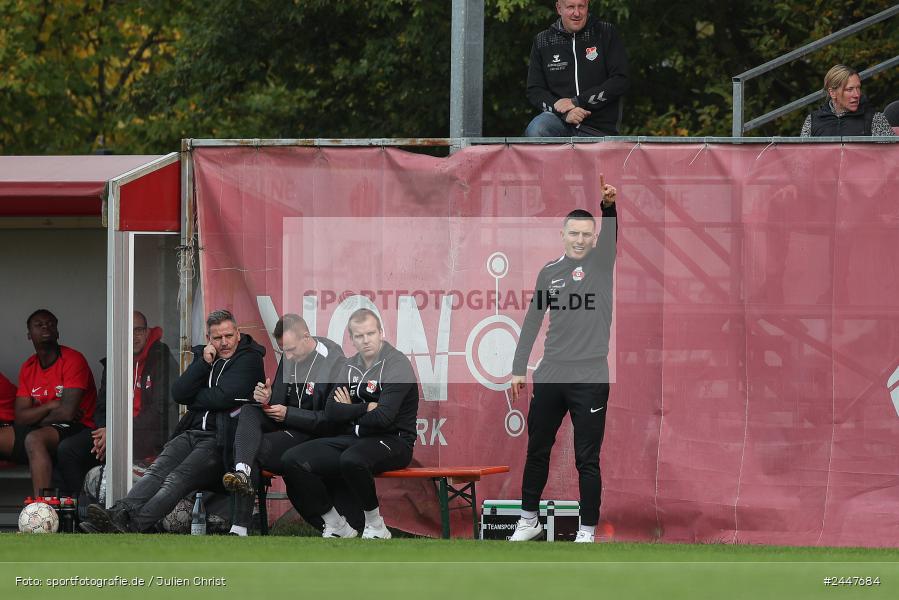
x: 548, y: 124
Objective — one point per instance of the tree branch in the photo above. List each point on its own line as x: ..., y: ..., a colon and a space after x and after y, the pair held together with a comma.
x: 134, y: 59
x: 38, y: 44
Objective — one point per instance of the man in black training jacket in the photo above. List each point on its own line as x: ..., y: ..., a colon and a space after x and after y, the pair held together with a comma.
x: 573, y: 376
x: 291, y: 411
x: 577, y: 75
x: 377, y: 403
x: 223, y: 373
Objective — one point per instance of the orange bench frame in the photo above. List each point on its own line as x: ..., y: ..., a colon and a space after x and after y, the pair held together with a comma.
x: 446, y: 480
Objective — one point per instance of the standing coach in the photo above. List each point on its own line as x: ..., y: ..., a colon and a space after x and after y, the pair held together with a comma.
x: 573, y: 376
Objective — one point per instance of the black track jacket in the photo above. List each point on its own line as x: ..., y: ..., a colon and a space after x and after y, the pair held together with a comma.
x: 304, y: 387
x: 590, y: 67
x: 578, y: 295
x: 209, y: 391
x: 390, y: 381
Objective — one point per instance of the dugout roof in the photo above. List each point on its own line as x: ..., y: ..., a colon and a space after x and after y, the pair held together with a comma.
x: 77, y: 186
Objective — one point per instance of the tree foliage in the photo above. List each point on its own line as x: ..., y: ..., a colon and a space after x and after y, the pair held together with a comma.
x: 137, y: 76
x: 67, y: 68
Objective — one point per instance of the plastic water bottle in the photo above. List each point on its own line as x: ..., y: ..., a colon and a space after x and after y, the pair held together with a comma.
x: 198, y: 516
x: 67, y: 514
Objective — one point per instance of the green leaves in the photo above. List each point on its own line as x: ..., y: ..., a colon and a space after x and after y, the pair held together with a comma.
x: 66, y: 69
x: 142, y: 74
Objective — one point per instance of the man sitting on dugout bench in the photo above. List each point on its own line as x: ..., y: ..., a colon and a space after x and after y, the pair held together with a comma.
x: 287, y: 412
x: 377, y: 404
x: 153, y: 366
x: 55, y: 399
x: 221, y: 376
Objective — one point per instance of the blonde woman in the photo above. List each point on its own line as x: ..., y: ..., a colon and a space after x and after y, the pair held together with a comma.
x: 846, y: 111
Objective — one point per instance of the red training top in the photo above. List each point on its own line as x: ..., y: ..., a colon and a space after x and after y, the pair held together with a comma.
x: 69, y: 371
x: 141, y: 382
x: 7, y: 400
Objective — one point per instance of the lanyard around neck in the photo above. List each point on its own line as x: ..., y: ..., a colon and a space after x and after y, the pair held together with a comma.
x: 308, y: 374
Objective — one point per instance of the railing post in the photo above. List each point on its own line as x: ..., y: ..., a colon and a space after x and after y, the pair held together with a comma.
x: 467, y: 70
x: 737, y: 130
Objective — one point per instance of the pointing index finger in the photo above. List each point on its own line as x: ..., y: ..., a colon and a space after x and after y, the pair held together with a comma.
x: 602, y: 181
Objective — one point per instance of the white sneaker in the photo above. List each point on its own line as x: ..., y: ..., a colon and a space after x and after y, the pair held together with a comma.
x: 344, y: 531
x: 524, y: 531
x: 583, y: 537
x: 378, y: 531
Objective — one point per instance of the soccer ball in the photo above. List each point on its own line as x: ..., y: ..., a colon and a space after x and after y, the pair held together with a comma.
x: 38, y: 517
x: 95, y: 485
x: 178, y: 521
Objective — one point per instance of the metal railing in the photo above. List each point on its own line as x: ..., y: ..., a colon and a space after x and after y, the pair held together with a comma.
x: 189, y: 144
x: 740, y: 127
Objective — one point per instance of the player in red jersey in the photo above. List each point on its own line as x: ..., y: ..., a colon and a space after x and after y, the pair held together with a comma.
x: 56, y: 396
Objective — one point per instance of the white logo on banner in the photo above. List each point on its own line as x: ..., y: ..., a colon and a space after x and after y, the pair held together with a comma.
x: 489, y: 347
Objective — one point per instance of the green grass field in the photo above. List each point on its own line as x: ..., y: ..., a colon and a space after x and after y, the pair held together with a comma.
x: 294, y: 568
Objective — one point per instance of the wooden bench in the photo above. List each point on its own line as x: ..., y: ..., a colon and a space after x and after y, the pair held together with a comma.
x: 446, y: 483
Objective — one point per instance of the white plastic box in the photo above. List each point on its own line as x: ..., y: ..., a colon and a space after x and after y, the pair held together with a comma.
x: 560, y: 519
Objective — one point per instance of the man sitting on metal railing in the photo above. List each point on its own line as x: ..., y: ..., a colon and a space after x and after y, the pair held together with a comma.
x: 577, y: 75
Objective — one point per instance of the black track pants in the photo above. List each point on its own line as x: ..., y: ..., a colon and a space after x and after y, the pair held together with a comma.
x: 587, y: 404
x: 73, y: 461
x: 269, y: 449
x: 252, y: 423
x: 355, y: 460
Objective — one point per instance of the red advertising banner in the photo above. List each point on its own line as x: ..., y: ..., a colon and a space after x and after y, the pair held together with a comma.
x: 754, y: 355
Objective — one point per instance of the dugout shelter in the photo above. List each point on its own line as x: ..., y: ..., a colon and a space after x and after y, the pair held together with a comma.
x: 90, y: 238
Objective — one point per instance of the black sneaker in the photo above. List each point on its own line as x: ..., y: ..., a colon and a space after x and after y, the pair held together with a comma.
x: 238, y: 482
x: 107, y: 520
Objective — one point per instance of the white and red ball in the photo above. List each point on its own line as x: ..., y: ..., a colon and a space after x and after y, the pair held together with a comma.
x: 38, y: 517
